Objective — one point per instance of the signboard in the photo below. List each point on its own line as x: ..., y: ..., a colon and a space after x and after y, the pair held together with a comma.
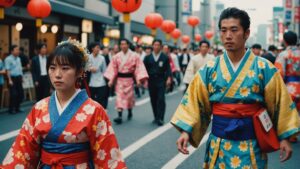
x: 288, y: 16
x: 297, y: 14
x: 71, y: 29
x: 186, y: 7
x: 87, y: 26
x: 288, y: 4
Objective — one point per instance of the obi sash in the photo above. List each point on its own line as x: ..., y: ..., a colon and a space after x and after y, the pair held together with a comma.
x: 125, y: 75
x: 292, y: 79
x: 233, y: 121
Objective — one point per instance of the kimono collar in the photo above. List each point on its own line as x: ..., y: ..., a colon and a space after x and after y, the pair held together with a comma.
x: 61, y: 109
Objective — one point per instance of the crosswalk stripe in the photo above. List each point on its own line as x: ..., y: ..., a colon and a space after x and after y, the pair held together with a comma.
x: 144, y: 140
x: 9, y: 135
x: 179, y: 158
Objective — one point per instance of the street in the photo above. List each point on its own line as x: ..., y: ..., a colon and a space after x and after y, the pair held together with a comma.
x: 144, y: 145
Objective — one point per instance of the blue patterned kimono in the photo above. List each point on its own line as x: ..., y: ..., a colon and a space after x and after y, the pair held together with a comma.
x: 255, y: 81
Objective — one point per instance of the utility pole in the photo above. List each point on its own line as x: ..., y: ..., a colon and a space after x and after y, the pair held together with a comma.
x: 205, y: 16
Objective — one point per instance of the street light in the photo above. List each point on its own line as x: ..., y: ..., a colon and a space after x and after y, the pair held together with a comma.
x: 44, y: 28
x: 19, y: 26
x: 54, y: 29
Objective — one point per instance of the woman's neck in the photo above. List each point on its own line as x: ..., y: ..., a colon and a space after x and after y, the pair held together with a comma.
x: 64, y: 96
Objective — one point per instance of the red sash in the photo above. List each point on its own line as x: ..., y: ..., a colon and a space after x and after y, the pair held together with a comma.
x: 57, y: 161
x: 267, y: 141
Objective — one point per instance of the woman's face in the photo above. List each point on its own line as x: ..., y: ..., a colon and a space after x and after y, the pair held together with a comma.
x: 63, y: 76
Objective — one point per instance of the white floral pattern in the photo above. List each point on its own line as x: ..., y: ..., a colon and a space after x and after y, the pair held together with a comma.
x: 111, y: 130
x: 46, y: 118
x: 116, y: 157
x: 101, y: 128
x: 89, y: 109
x: 27, y: 126
x: 101, y: 154
x: 41, y: 105
x: 19, y: 166
x: 37, y: 122
x: 81, y: 166
x: 69, y: 137
x: 81, y: 117
x: 291, y: 89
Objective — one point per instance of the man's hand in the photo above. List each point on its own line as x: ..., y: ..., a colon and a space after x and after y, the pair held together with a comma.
x: 285, y: 150
x: 168, y: 83
x: 138, y: 83
x: 36, y: 83
x: 10, y: 82
x: 110, y: 83
x: 93, y: 69
x: 182, y: 142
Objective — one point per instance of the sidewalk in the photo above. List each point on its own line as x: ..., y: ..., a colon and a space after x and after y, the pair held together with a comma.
x: 23, y: 105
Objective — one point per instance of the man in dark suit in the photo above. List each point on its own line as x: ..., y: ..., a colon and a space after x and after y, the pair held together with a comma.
x: 159, y: 71
x: 271, y: 54
x: 39, y: 73
x: 184, y: 60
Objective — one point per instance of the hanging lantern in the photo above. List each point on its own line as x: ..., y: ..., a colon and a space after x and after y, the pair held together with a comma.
x: 185, y: 39
x: 176, y: 34
x: 168, y: 26
x: 198, y: 37
x: 126, y: 7
x: 39, y: 9
x: 193, y: 21
x: 5, y: 4
x: 209, y: 34
x: 153, y: 21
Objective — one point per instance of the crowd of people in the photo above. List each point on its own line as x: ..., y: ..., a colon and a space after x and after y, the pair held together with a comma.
x: 256, y: 91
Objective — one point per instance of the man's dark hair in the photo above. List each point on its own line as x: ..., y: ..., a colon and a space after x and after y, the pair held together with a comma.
x: 184, y: 49
x: 12, y: 47
x: 92, y: 45
x: 40, y: 46
x: 204, y: 41
x: 290, y: 38
x: 272, y: 48
x: 157, y: 40
x: 124, y: 39
x: 236, y: 14
x: 256, y: 46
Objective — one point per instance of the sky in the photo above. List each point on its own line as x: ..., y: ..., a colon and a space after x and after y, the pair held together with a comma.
x: 260, y: 11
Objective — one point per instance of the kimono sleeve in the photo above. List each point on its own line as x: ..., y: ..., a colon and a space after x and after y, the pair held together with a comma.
x: 140, y: 72
x: 112, y: 70
x: 189, y: 72
x: 24, y: 152
x: 280, y: 64
x: 103, y: 142
x: 281, y: 107
x: 193, y: 113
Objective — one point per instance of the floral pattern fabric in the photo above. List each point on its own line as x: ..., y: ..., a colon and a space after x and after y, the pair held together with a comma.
x: 89, y: 124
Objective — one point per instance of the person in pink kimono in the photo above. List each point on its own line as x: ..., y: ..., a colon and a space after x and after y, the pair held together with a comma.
x: 125, y: 68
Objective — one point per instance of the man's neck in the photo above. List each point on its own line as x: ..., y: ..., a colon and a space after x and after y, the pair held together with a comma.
x: 95, y: 54
x: 156, y: 53
x: 125, y: 51
x: 236, y: 56
x: 203, y: 54
x: 64, y: 96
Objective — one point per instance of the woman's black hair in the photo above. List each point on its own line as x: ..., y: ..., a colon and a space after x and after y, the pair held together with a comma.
x: 69, y: 54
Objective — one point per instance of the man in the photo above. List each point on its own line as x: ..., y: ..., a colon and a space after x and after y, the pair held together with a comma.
x: 237, y: 88
x: 166, y: 51
x: 159, y: 70
x: 24, y: 60
x: 184, y: 60
x: 14, y: 71
x: 105, y: 53
x: 288, y: 62
x: 271, y: 54
x: 125, y: 68
x: 197, y: 61
x: 40, y: 73
x: 174, y: 57
x: 97, y: 83
x: 256, y: 49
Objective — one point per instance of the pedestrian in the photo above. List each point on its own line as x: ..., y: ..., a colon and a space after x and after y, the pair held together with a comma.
x: 197, y: 61
x: 174, y: 57
x: 67, y: 129
x: 167, y: 51
x: 271, y: 54
x: 288, y: 62
x: 39, y: 73
x: 125, y: 68
x: 24, y: 60
x: 237, y: 88
x: 184, y: 60
x: 14, y: 71
x: 256, y: 49
x: 2, y: 75
x: 160, y: 76
x: 97, y: 84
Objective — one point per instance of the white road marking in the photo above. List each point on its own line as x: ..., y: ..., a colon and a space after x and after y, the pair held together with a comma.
x: 9, y: 135
x: 179, y: 158
x: 144, y: 140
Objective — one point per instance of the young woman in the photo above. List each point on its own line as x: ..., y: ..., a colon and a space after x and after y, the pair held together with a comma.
x: 67, y: 129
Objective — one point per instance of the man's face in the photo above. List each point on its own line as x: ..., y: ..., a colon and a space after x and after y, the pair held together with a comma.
x: 124, y: 46
x: 256, y: 51
x: 166, y: 49
x: 156, y: 47
x: 204, y: 48
x: 232, y: 34
x: 16, y: 51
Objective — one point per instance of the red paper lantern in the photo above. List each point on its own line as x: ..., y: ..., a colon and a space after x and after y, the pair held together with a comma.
x: 153, y: 21
x: 126, y: 7
x: 193, y: 21
x: 39, y: 9
x: 176, y: 34
x: 5, y: 4
x: 185, y: 39
x: 209, y: 34
x: 168, y: 26
x: 198, y: 37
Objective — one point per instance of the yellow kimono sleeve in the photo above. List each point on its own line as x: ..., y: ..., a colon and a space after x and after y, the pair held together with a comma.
x: 193, y: 113
x: 281, y: 107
